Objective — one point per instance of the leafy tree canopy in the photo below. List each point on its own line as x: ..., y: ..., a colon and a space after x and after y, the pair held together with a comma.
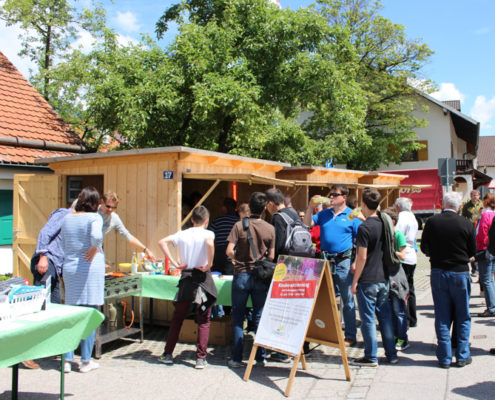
x: 245, y: 77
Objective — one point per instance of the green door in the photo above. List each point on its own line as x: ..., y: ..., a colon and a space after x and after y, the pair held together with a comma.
x: 6, y: 217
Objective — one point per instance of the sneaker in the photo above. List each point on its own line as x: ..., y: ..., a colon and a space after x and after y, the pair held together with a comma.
x: 86, y: 367
x: 393, y: 361
x: 401, y: 344
x: 349, y: 342
x: 67, y: 367
x: 261, y: 363
x: 201, y: 363
x: 166, y: 359
x: 278, y: 357
x: 364, y: 362
x: 234, y: 364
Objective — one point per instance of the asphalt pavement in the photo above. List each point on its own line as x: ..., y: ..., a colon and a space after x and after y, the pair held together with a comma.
x: 130, y: 370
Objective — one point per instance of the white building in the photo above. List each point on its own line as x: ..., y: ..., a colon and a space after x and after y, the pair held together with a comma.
x: 449, y: 134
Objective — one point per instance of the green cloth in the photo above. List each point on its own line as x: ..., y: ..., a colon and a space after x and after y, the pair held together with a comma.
x: 164, y: 287
x: 400, y: 240
x: 55, y: 331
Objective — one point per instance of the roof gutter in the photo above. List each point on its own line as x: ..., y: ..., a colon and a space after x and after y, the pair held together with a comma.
x: 43, y: 144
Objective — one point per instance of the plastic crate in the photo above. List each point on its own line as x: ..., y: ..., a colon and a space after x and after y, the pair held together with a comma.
x: 22, y: 304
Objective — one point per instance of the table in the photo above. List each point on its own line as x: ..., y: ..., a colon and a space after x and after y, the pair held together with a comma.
x: 164, y: 287
x: 57, y: 330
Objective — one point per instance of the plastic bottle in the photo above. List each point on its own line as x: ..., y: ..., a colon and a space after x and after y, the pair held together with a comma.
x: 134, y: 263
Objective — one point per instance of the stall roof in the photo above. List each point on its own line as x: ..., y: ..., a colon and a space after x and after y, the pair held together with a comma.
x: 185, y: 153
x: 235, y: 177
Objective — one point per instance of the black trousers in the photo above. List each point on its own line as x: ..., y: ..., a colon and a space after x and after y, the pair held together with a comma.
x: 411, y: 301
x: 51, y: 273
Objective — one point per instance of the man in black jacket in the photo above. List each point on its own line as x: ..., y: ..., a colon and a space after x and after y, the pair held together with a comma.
x: 449, y: 240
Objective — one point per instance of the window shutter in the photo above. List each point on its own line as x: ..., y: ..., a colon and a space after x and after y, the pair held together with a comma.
x: 423, y: 153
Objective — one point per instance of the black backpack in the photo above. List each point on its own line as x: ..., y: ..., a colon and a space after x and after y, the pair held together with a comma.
x: 297, y: 237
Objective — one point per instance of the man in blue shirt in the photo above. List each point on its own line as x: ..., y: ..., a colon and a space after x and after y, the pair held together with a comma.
x: 49, y: 256
x: 48, y: 259
x: 338, y: 230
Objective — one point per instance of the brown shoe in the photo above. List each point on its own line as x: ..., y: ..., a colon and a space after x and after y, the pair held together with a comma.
x: 349, y: 342
x: 30, y: 364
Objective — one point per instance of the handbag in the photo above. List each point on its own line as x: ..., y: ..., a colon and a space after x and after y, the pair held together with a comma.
x: 263, y: 269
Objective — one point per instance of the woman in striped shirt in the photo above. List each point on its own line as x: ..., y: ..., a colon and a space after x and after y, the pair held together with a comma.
x: 84, y: 265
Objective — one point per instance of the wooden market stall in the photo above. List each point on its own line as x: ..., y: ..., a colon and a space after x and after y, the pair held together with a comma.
x: 310, y: 181
x: 152, y: 185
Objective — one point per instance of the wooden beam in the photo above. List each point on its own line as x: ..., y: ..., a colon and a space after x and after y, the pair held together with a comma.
x: 23, y: 257
x: 211, y: 189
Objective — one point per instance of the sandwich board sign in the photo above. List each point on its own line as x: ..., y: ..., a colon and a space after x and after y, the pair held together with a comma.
x: 300, y: 306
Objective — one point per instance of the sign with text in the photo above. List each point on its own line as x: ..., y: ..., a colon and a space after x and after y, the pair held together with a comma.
x: 168, y: 175
x: 289, y: 303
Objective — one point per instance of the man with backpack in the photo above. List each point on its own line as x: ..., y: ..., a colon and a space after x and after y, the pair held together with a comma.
x: 292, y: 237
x: 338, y: 230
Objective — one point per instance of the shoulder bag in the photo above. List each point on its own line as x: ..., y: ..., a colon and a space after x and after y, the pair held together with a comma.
x: 263, y: 269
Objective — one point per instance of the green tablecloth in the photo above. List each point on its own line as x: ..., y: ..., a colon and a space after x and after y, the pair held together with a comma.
x: 55, y: 331
x: 164, y: 287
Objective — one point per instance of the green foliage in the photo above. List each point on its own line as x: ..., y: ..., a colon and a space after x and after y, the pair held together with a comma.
x: 244, y: 77
x: 388, y: 64
x: 49, y: 28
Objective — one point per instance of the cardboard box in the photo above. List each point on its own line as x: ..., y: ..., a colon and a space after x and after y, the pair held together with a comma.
x: 220, y: 331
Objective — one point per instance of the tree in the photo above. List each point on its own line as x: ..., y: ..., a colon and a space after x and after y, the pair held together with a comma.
x: 49, y: 27
x: 388, y: 63
x: 250, y: 69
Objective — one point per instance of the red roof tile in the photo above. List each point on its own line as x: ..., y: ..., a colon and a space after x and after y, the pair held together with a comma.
x: 486, y: 151
x: 25, y: 115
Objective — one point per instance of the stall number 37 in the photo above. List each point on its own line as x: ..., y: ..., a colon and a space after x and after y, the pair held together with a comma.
x: 168, y: 175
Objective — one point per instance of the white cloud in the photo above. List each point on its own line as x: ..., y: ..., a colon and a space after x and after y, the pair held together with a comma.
x: 483, y: 31
x: 126, y: 40
x: 127, y: 21
x: 84, y: 42
x: 10, y: 45
x: 448, y: 91
x: 483, y: 111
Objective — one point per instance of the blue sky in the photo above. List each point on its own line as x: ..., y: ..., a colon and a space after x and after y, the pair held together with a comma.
x: 461, y: 34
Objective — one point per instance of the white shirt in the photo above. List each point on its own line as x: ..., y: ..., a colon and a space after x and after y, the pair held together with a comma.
x: 408, y: 225
x: 192, y: 246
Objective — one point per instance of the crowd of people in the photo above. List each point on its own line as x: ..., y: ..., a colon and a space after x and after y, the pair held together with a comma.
x: 371, y: 253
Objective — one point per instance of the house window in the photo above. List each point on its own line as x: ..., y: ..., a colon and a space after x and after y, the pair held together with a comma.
x: 417, y: 155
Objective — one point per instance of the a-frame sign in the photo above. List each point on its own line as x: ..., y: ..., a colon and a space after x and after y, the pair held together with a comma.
x: 300, y: 306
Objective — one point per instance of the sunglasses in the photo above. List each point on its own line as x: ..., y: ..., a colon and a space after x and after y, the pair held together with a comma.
x: 335, y: 194
x: 110, y: 207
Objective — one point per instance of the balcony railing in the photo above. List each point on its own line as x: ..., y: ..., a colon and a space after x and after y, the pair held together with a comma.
x: 463, y: 165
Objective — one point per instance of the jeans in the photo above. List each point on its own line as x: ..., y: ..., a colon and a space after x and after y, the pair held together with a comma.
x: 411, y: 301
x: 86, y: 344
x: 487, y: 268
x: 243, y: 286
x: 373, y: 299
x: 342, y: 280
x: 451, y: 292
x: 399, y: 317
x: 203, y: 321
